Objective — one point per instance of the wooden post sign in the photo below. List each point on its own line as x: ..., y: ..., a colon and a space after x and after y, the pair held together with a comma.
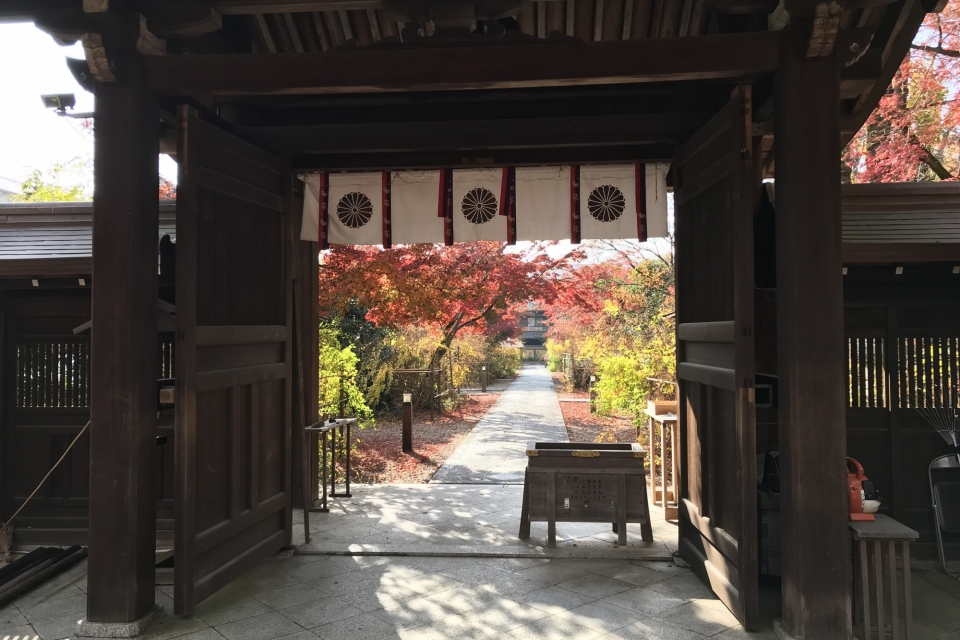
x: 585, y: 482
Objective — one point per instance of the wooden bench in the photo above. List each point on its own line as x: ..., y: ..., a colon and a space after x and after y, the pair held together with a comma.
x: 875, y: 545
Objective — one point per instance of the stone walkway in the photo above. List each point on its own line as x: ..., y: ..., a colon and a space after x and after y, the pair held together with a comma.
x: 494, y: 452
x: 474, y: 520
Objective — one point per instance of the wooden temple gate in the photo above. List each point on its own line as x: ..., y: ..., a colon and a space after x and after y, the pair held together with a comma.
x: 274, y: 88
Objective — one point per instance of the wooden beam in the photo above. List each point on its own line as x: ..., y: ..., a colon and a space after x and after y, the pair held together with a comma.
x: 556, y: 102
x: 26, y: 10
x: 729, y: 57
x: 380, y: 161
x: 479, y: 134
x: 124, y: 346
x: 900, y: 252
x: 812, y: 417
x: 245, y: 7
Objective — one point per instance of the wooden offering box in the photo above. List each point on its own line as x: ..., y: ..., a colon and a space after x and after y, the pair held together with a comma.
x: 585, y: 482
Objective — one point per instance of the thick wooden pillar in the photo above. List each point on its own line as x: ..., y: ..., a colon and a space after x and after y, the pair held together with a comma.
x: 816, y: 571
x: 124, y: 350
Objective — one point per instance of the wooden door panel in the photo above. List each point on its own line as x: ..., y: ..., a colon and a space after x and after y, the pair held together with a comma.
x: 714, y: 189
x: 233, y: 360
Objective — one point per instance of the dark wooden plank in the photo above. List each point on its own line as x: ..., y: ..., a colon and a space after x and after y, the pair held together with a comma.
x: 711, y: 354
x: 746, y: 184
x: 123, y: 368
x: 244, y: 334
x: 898, y: 253
x: 46, y: 267
x: 307, y: 311
x: 717, y: 537
x: 706, y: 331
x: 184, y: 586
x: 704, y: 374
x: 289, y: 267
x: 479, y: 157
x: 238, y: 189
x: 507, y: 133
x: 227, y: 149
x: 732, y: 56
x: 816, y: 571
x: 222, y: 532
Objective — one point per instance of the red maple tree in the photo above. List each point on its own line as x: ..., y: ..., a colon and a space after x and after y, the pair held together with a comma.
x: 914, y: 133
x: 469, y: 287
x: 168, y: 190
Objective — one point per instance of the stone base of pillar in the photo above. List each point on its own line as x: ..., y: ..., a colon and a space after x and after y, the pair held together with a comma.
x: 780, y: 630
x: 87, y: 629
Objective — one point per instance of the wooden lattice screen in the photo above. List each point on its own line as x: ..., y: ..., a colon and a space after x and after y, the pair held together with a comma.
x: 166, y: 360
x: 53, y: 373
x: 866, y: 373
x: 929, y: 372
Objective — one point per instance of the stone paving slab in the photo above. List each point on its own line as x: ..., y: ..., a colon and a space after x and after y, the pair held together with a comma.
x: 495, y: 450
x: 654, y: 552
x: 463, y: 519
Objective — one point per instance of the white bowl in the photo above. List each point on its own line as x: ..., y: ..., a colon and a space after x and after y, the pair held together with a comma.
x: 871, y: 506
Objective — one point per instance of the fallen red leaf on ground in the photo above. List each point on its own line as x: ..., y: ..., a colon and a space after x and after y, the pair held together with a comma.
x: 378, y: 458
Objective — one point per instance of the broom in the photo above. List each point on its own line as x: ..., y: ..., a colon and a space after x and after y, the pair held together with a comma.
x: 946, y: 419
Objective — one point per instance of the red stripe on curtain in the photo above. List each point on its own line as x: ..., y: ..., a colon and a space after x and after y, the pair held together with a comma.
x: 446, y: 204
x: 324, y: 197
x: 641, y: 196
x: 575, y: 204
x: 387, y: 217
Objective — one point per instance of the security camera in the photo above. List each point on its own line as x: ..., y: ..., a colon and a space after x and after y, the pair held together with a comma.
x: 59, y: 101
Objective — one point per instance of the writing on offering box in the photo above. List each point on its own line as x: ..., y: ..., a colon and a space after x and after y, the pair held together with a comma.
x: 586, y: 488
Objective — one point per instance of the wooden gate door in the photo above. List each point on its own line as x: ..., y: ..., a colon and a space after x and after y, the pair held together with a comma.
x: 714, y: 186
x: 233, y: 360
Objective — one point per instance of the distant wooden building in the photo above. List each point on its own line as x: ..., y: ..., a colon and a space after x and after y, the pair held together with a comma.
x: 533, y: 324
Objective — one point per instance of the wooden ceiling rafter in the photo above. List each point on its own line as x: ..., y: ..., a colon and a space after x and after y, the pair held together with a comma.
x: 598, y: 20
x: 265, y: 38
x: 294, y: 34
x: 738, y: 57
x: 627, y: 32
